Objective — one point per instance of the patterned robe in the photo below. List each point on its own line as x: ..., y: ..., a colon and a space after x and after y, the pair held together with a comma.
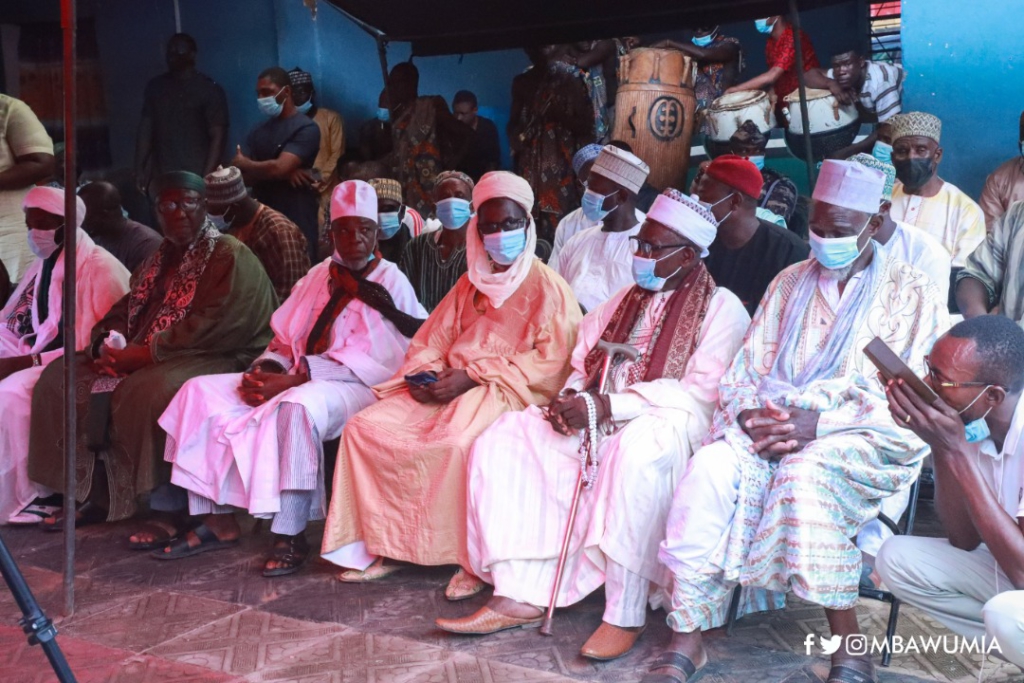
x: 794, y: 519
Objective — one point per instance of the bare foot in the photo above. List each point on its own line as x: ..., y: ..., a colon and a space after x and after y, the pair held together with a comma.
x: 224, y: 527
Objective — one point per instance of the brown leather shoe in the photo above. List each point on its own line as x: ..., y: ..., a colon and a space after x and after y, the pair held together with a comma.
x: 610, y: 642
x: 486, y: 621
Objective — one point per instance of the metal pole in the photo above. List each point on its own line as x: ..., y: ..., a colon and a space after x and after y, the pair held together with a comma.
x: 177, y: 17
x: 382, y: 53
x: 68, y: 22
x: 804, y: 116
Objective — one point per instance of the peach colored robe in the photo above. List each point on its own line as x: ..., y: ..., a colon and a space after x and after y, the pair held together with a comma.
x: 400, y: 481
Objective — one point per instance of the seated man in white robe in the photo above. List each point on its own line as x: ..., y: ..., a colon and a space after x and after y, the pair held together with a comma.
x: 523, y: 469
x: 802, y: 448
x: 31, y: 335
x: 254, y: 440
x: 596, y: 261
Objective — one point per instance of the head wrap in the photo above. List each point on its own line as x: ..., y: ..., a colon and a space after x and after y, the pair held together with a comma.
x: 224, y: 187
x: 386, y: 189
x: 51, y: 200
x: 585, y: 154
x: 621, y: 167
x: 498, y: 287
x: 916, y: 123
x: 354, y: 198
x: 686, y: 217
x: 299, y: 77
x: 850, y: 185
x: 180, y: 180
x: 888, y: 169
x: 738, y: 173
x: 749, y: 133
x: 453, y: 175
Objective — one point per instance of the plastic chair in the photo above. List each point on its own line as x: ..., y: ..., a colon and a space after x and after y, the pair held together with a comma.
x: 872, y: 593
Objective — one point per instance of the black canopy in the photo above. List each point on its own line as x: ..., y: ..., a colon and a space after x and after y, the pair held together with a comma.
x: 437, y: 27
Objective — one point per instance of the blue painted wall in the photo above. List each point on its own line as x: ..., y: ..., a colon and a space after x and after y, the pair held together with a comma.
x: 968, y: 71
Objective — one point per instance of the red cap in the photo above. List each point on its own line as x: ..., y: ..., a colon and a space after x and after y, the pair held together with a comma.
x: 738, y: 173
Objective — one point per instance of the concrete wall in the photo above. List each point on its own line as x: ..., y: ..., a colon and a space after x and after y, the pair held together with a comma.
x: 967, y: 68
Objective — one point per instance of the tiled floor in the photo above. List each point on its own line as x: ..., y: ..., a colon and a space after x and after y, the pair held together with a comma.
x: 214, y: 618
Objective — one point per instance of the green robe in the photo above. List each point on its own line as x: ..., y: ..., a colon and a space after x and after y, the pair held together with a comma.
x: 227, y: 326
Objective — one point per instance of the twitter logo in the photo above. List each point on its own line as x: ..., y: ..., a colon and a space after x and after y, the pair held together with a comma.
x: 830, y: 646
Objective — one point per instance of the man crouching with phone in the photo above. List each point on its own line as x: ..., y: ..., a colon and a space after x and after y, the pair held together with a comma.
x: 974, y: 581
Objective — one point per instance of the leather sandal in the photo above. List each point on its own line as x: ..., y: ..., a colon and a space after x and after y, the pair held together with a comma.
x: 463, y: 586
x: 841, y: 673
x: 375, y: 572
x: 289, y: 551
x: 180, y: 548
x: 86, y: 514
x: 610, y: 642
x: 486, y: 621
x: 674, y: 660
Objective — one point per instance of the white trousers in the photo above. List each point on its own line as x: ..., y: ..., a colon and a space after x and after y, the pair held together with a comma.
x: 966, y: 591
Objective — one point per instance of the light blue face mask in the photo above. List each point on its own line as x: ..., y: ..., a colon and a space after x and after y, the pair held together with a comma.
x: 836, y: 253
x: 453, y: 212
x: 763, y: 26
x: 269, y: 106
x: 593, y: 206
x: 305, y: 106
x: 383, y: 114
x: 882, y: 151
x: 704, y: 41
x: 977, y: 430
x: 757, y: 161
x: 389, y: 224
x: 219, y: 222
x: 643, y: 272
x: 506, y: 246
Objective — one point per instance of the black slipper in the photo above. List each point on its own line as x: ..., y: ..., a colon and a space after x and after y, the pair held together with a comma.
x: 180, y: 548
x: 162, y: 537
x: 86, y: 514
x: 292, y: 550
x: 673, y: 660
x: 847, y: 674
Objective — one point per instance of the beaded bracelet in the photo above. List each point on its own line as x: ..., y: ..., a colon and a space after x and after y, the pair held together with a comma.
x: 588, y: 443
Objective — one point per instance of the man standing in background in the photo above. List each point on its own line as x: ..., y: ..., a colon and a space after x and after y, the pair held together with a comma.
x: 332, y: 136
x: 483, y: 152
x: 184, y: 118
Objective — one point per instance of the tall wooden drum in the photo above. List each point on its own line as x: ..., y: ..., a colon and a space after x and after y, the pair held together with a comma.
x: 654, y: 111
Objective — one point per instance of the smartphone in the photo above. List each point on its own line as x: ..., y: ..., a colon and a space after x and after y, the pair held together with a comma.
x: 421, y: 379
x: 892, y: 366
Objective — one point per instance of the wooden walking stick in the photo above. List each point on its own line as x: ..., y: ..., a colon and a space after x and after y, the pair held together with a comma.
x: 610, y: 352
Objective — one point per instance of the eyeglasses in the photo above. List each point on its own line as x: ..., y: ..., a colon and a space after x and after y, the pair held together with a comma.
x: 645, y: 248
x: 939, y: 382
x: 505, y: 226
x: 188, y: 205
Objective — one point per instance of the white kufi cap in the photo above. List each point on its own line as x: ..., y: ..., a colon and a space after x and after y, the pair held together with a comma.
x: 685, y: 216
x: 850, y: 185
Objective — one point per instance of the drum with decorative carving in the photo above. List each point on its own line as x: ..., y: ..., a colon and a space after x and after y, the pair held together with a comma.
x: 729, y: 112
x: 654, y: 111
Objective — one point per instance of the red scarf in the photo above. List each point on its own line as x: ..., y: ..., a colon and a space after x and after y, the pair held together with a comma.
x: 676, y: 339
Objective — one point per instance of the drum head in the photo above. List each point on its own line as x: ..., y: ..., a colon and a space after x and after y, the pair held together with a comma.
x: 812, y: 94
x: 738, y: 100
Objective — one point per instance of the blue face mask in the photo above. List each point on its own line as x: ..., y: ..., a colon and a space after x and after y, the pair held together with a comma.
x: 757, y: 161
x: 305, y: 106
x: 219, y: 222
x: 383, y: 114
x: 269, y: 106
x: 506, y: 246
x: 763, y: 26
x: 453, y: 212
x: 593, y: 206
x: 976, y: 430
x: 836, y: 253
x: 704, y: 41
x: 882, y: 151
x: 643, y: 272
x: 389, y: 224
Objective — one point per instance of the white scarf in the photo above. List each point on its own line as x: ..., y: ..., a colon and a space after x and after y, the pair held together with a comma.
x: 499, y: 286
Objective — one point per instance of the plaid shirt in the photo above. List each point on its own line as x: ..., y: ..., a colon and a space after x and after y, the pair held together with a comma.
x: 279, y: 245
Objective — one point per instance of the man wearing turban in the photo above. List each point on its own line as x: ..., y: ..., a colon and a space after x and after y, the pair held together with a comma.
x: 499, y: 341
x: 32, y: 334
x: 199, y: 305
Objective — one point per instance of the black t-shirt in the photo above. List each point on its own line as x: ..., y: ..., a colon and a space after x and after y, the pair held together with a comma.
x: 300, y: 136
x: 748, y: 271
x: 182, y: 112
x: 483, y: 152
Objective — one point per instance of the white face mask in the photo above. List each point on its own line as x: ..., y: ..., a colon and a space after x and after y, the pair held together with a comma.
x: 42, y: 242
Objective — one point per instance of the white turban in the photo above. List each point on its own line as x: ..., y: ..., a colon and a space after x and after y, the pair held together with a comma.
x: 354, y: 198
x: 499, y: 286
x: 51, y: 200
x: 850, y: 185
x: 685, y: 216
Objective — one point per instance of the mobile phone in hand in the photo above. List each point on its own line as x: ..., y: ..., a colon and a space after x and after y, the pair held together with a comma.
x: 421, y: 379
